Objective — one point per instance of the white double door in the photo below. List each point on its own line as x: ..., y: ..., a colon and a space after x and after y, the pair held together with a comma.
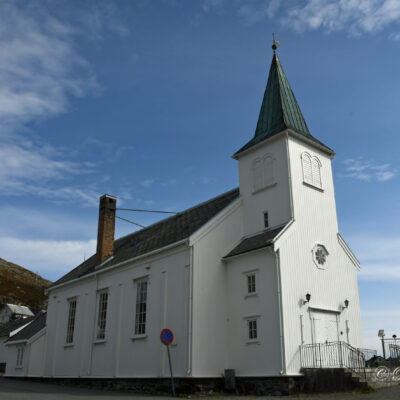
x: 325, y: 326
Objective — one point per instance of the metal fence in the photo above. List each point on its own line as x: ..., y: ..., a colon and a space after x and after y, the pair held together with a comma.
x: 368, y: 353
x: 391, y: 349
x: 332, y: 355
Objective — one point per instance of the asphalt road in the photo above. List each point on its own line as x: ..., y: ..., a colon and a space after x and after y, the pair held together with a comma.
x: 11, y: 389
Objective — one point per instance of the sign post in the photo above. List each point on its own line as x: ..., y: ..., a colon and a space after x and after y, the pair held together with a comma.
x: 167, y: 338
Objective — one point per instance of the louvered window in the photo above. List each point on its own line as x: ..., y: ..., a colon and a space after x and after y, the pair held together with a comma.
x: 263, y: 172
x: 307, y: 173
x: 257, y: 174
x: 316, y: 172
x: 311, y: 170
x: 268, y: 170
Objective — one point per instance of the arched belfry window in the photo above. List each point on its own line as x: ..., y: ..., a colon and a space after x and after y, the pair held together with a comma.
x: 268, y: 164
x: 316, y: 171
x: 263, y: 172
x: 311, y: 170
x: 257, y: 174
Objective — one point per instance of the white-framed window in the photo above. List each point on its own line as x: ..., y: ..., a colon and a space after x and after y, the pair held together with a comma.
x: 20, y: 355
x: 141, y: 306
x: 311, y: 170
x: 251, y: 283
x: 71, y: 321
x: 263, y: 172
x: 102, y: 314
x: 252, y: 329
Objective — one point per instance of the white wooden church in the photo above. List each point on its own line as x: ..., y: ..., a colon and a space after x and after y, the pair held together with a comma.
x: 243, y: 280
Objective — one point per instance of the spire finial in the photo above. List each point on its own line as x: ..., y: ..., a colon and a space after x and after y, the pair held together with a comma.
x: 275, y: 43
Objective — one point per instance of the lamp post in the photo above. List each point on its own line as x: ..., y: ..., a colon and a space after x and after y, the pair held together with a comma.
x: 381, y: 334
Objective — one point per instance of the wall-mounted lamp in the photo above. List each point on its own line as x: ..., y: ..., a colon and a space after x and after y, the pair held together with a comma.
x: 346, y: 304
x: 308, y: 298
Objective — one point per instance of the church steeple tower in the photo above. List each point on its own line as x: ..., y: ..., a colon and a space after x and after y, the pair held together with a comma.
x: 279, y: 110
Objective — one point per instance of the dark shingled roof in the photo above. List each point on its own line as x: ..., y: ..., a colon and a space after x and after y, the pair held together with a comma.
x: 279, y: 110
x: 11, y: 326
x: 158, y: 235
x: 263, y: 239
x: 34, y: 327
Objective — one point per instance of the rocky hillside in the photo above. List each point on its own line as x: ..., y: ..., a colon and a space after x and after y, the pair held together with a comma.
x: 18, y: 285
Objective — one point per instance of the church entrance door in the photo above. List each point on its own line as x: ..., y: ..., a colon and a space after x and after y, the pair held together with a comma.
x: 324, y: 326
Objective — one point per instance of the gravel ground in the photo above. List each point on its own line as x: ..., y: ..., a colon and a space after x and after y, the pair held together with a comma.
x: 11, y: 389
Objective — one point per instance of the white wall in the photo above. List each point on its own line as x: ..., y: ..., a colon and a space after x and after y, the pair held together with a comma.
x: 33, y: 358
x: 210, y: 291
x: 11, y: 360
x: 315, y: 223
x: 261, y: 358
x: 3, y: 349
x: 274, y: 199
x: 37, y: 350
x: 120, y: 355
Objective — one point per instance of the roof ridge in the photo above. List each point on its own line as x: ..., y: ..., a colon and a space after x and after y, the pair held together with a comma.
x: 177, y: 214
x: 160, y: 234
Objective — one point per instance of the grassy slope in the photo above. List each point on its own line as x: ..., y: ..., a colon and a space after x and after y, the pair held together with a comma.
x: 19, y: 285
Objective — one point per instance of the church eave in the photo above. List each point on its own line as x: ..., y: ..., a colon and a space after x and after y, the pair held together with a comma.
x: 311, y: 140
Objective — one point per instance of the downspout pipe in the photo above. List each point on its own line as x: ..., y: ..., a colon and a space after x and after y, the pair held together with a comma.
x: 190, y: 312
x: 281, y: 327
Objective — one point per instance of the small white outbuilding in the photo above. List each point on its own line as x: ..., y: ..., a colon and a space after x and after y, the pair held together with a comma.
x: 25, y: 349
x: 10, y: 312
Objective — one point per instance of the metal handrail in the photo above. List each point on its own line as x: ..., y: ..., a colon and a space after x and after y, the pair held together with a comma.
x: 332, y: 355
x: 368, y: 353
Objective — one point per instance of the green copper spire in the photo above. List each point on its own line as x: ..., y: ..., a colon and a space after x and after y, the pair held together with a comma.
x: 279, y: 109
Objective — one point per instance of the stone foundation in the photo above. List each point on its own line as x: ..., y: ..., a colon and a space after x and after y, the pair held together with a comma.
x: 259, y: 386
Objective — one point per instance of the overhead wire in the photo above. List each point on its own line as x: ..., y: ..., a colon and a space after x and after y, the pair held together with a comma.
x: 149, y: 211
x: 131, y: 222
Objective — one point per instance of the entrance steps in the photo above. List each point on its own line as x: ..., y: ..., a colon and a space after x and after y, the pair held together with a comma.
x: 324, y: 380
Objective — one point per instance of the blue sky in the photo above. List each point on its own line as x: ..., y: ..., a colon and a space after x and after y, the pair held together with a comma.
x: 147, y: 100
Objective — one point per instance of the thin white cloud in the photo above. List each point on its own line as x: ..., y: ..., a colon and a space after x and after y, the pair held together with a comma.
x: 27, y: 221
x: 380, y: 261
x: 373, y: 320
x: 367, y: 170
x: 355, y: 16
x: 50, y: 258
x: 41, y: 69
x: 209, y: 5
x: 33, y: 162
x: 147, y: 183
x: 252, y: 12
x: 27, y: 169
x: 39, y: 65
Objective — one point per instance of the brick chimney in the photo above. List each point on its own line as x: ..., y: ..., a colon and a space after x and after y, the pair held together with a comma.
x: 106, y: 229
